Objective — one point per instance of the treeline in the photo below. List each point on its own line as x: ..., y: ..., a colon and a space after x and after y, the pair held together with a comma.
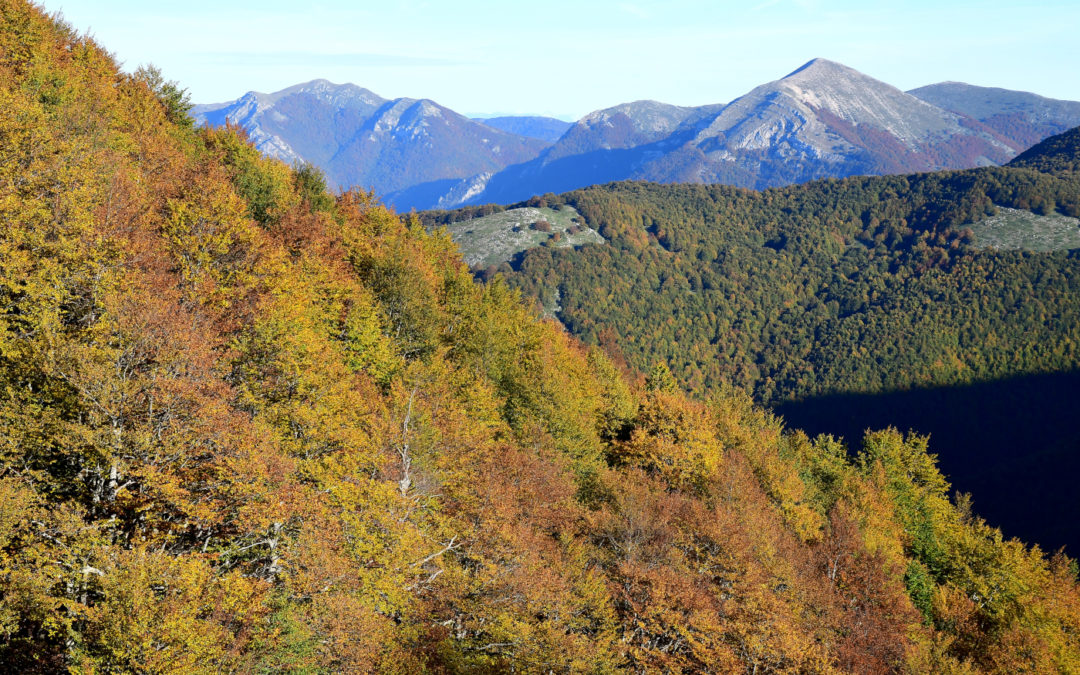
x: 247, y: 426
x: 861, y: 284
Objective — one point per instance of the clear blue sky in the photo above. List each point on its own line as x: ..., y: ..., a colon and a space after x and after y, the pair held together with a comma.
x: 567, y: 58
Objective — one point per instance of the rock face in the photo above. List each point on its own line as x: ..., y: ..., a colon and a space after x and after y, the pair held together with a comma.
x: 361, y: 139
x: 623, y: 126
x: 1017, y: 115
x: 306, y: 122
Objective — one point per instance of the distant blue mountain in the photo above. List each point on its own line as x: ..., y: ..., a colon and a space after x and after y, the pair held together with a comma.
x: 547, y: 129
x: 361, y: 139
x: 822, y: 120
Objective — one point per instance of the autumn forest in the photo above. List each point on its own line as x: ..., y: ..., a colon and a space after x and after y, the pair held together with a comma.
x: 248, y: 425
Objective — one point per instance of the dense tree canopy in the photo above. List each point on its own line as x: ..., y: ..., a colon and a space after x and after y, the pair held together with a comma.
x: 854, y: 292
x: 863, y: 284
x: 1058, y: 154
x: 249, y: 427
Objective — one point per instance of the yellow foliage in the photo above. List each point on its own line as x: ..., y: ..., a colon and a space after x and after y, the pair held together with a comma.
x: 244, y: 432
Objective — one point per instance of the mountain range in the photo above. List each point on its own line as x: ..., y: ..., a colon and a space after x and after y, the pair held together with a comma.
x: 361, y: 139
x: 548, y: 129
x: 822, y: 120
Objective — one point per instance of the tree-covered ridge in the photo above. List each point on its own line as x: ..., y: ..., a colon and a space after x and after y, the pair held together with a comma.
x: 1058, y: 154
x: 861, y: 284
x: 246, y: 426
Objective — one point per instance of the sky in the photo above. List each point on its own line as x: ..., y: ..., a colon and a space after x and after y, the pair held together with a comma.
x: 566, y: 58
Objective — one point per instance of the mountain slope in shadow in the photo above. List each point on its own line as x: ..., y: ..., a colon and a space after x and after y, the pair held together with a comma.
x: 1013, y: 444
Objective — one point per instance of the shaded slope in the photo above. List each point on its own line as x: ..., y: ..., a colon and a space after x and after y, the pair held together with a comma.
x: 1010, y: 443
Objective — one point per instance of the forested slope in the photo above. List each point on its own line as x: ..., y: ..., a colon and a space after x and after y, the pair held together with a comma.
x: 1057, y: 155
x: 862, y: 284
x: 857, y: 288
x: 246, y: 426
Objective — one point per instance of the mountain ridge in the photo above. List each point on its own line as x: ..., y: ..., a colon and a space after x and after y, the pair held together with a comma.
x: 1027, y: 117
x: 361, y: 139
x: 822, y: 120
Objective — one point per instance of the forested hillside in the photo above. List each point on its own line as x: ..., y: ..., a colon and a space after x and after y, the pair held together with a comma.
x: 247, y: 426
x: 1057, y: 155
x: 771, y: 290
x: 863, y: 286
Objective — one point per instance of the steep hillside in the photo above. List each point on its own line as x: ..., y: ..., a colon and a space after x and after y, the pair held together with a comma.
x: 362, y: 140
x: 247, y: 427
x: 1019, y: 116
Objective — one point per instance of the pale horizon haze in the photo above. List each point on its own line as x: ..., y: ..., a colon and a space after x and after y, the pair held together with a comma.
x: 566, y: 59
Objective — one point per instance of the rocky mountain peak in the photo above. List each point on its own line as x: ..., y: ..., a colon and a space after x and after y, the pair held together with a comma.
x: 822, y: 90
x: 334, y: 94
x: 820, y: 68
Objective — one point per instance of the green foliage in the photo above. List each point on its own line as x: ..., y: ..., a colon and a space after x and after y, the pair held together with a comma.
x: 174, y: 99
x: 856, y: 285
x: 310, y: 183
x: 660, y: 379
x: 266, y: 185
x: 920, y: 586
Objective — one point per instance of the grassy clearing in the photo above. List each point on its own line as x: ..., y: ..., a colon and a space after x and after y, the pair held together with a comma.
x: 499, y: 237
x: 1013, y: 229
